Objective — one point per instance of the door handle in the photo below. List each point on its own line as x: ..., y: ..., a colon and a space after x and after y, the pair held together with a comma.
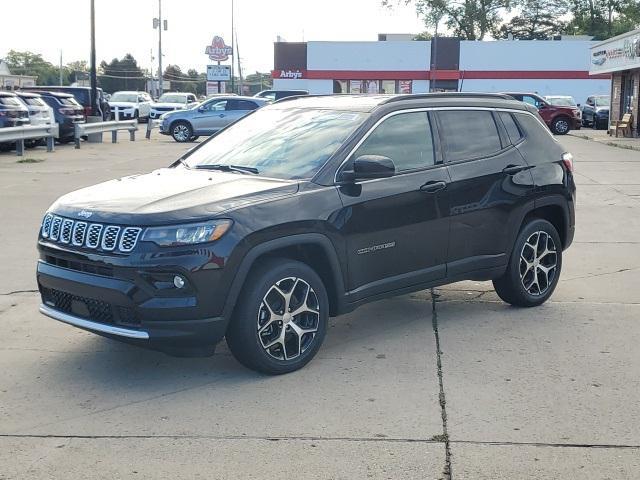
x: 433, y: 187
x: 513, y: 169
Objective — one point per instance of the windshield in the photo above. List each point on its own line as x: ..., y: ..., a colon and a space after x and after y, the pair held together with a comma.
x: 562, y: 101
x: 172, y: 98
x: 124, y: 97
x: 602, y: 101
x: 69, y: 101
x: 281, y: 143
x: 10, y: 101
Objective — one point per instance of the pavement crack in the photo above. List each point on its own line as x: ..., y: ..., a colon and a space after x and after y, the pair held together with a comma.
x: 16, y: 292
x: 447, y: 471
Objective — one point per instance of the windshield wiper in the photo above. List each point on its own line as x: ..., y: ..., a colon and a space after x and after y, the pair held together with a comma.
x: 228, y: 168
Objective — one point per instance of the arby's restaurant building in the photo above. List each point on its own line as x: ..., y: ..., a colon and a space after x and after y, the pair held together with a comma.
x: 396, y: 64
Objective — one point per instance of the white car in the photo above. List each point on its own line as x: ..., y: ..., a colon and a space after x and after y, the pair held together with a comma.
x: 39, y: 114
x: 171, y: 101
x: 130, y: 105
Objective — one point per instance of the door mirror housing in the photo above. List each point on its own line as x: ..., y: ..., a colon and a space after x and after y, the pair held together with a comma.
x: 367, y: 167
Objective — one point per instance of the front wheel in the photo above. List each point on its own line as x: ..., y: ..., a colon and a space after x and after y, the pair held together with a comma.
x: 561, y: 126
x: 281, y: 317
x: 181, y: 132
x: 534, y: 267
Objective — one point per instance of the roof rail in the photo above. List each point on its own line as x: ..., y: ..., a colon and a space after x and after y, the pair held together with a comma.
x: 400, y: 97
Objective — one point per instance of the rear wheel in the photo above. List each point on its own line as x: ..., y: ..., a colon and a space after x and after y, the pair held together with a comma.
x: 181, y: 131
x: 281, y: 317
x: 534, y: 267
x: 561, y: 126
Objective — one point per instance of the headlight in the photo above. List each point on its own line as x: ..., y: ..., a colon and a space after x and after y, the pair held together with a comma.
x: 189, y: 234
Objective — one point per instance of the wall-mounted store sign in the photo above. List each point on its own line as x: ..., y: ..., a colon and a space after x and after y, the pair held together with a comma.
x: 219, y: 73
x: 218, y: 51
x: 618, y: 53
x: 289, y: 74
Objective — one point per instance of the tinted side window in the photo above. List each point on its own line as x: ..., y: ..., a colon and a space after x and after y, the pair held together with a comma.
x: 468, y: 134
x: 241, y: 105
x: 404, y: 138
x: 510, y: 125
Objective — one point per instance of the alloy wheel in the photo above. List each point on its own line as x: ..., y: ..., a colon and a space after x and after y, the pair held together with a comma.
x: 562, y: 126
x: 288, y: 318
x: 538, y: 263
x: 181, y: 133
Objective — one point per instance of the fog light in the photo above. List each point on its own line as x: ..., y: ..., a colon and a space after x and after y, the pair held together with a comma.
x: 178, y: 281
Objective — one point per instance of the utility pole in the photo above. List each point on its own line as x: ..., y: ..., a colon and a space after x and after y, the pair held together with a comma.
x: 60, y: 67
x: 94, y: 77
x: 233, y: 53
x: 160, y: 82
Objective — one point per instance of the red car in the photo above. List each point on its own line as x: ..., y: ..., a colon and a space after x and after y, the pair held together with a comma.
x: 560, y: 119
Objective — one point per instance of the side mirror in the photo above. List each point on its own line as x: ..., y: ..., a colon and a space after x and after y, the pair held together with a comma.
x: 368, y: 167
x: 201, y: 109
x: 578, y: 105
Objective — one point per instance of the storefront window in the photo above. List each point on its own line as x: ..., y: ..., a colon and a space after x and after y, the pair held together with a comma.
x: 627, y: 93
x: 340, y: 86
x: 405, y: 86
x: 388, y: 86
x: 371, y: 86
x: 355, y: 86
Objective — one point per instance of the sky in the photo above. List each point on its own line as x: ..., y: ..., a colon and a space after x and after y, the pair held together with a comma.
x: 126, y: 26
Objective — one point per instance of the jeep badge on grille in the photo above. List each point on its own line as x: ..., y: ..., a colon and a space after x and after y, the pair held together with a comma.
x: 85, y: 214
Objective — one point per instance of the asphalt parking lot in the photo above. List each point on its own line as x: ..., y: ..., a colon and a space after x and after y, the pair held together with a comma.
x: 415, y: 387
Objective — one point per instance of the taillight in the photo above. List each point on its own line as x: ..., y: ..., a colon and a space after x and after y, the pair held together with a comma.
x: 567, y: 159
x: 87, y: 111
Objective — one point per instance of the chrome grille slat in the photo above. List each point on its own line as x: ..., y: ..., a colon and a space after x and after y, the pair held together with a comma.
x: 93, y: 235
x: 79, y: 230
x: 65, y: 232
x: 46, y: 225
x: 108, y: 238
x: 129, y: 238
x: 55, y: 228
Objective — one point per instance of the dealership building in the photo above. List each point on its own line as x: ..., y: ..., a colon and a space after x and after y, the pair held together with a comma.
x: 397, y: 64
x: 620, y: 57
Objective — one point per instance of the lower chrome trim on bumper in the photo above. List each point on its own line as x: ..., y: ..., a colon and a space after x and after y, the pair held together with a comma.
x: 98, y: 327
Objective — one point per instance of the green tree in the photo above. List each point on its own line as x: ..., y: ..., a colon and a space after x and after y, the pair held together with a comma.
x: 467, y: 19
x: 29, y: 63
x: 603, y: 19
x: 536, y: 20
x: 122, y: 74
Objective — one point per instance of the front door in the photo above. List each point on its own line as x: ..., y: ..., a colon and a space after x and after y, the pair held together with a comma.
x: 490, y: 182
x: 396, y: 228
x: 210, y: 117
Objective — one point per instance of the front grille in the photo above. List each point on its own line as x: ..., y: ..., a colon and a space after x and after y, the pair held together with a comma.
x: 90, y: 308
x: 108, y: 238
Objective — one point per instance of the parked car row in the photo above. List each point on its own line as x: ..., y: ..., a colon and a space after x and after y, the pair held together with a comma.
x: 38, y: 108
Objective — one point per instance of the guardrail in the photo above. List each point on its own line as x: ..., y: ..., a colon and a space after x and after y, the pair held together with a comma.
x: 83, y: 129
x: 151, y: 124
x: 29, y: 132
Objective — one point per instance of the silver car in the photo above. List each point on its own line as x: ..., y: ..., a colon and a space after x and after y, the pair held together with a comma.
x: 208, y: 117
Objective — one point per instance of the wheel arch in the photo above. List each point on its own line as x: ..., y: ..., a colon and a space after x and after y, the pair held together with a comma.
x: 313, y: 249
x: 555, y: 212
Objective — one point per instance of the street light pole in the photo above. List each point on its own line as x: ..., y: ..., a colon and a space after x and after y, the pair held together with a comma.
x: 233, y: 53
x: 160, y: 83
x: 94, y: 77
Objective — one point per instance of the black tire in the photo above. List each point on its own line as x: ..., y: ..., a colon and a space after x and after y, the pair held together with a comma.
x: 194, y: 138
x: 511, y: 286
x: 252, y: 314
x: 561, y: 125
x: 181, y: 131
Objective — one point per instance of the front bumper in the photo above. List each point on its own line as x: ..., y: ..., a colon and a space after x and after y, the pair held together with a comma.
x: 133, y: 303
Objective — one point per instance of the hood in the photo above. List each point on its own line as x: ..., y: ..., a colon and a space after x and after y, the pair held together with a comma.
x: 122, y: 104
x: 170, y: 195
x: 168, y: 105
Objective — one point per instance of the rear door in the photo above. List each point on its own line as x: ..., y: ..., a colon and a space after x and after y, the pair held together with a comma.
x: 210, y: 117
x: 237, y: 108
x: 396, y: 229
x: 490, y: 182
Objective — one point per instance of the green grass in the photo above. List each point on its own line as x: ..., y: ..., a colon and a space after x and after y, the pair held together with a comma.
x: 30, y: 160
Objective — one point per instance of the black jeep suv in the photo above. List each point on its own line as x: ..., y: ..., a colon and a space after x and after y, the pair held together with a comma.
x: 306, y: 209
